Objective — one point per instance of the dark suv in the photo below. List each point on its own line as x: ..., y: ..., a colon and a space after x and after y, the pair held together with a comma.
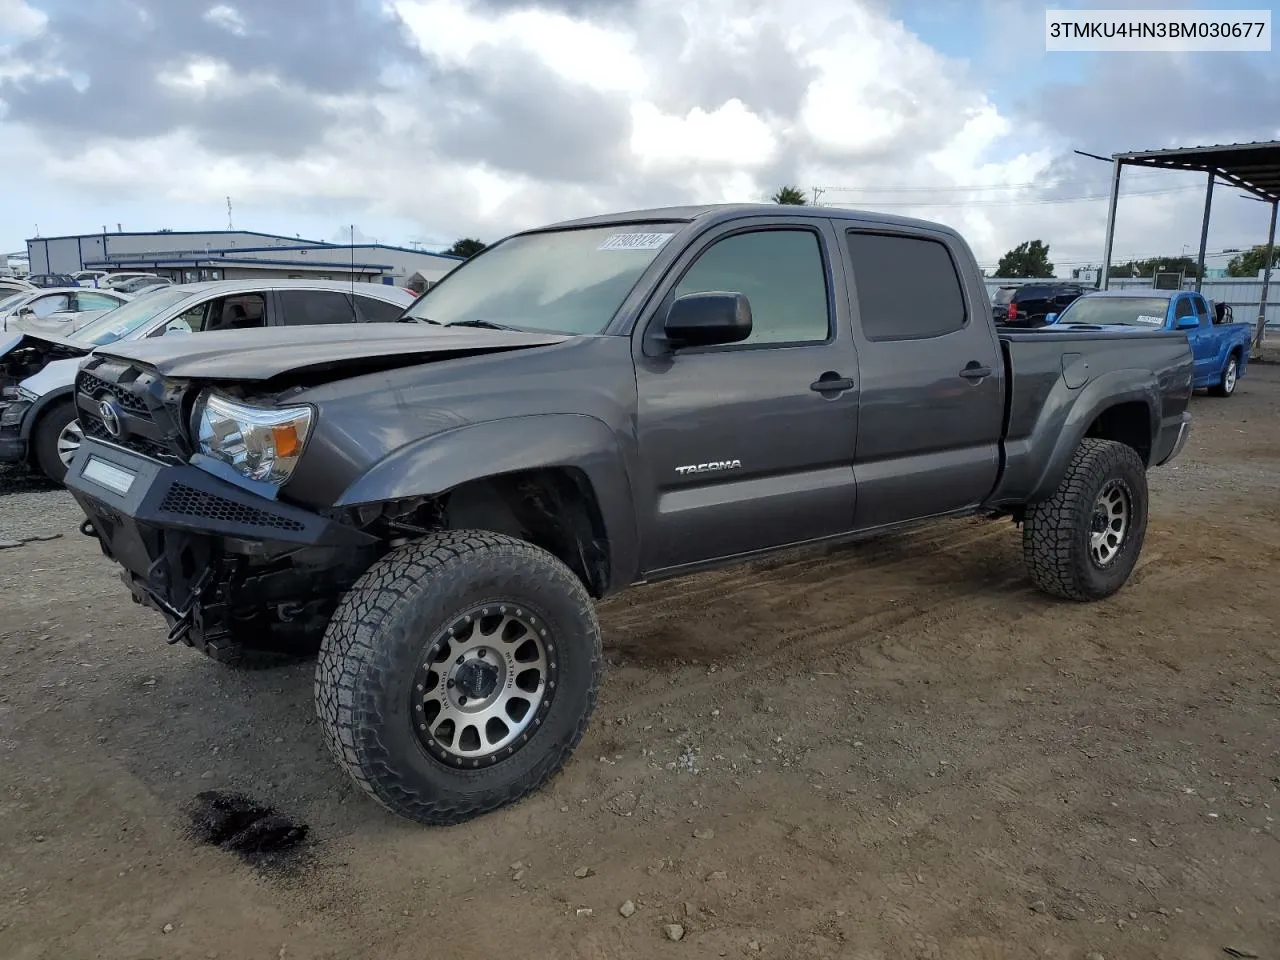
x: 1027, y: 305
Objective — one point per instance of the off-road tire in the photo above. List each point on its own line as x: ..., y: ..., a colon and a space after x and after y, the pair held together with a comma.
x: 1226, y: 384
x: 260, y: 646
x: 44, y: 439
x: 379, y: 636
x: 1056, y: 532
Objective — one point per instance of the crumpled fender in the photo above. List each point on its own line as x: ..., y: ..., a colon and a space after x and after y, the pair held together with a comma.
x: 439, y: 463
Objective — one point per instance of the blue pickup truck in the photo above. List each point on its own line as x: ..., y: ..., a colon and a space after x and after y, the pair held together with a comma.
x: 1220, y: 346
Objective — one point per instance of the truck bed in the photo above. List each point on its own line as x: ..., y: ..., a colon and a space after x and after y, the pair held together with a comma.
x: 1055, y: 373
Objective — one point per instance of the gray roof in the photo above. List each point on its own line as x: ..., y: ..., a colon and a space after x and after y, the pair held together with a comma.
x: 1254, y: 167
x: 735, y: 211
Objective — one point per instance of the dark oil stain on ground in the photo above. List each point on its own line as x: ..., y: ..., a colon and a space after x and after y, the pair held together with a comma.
x: 239, y: 824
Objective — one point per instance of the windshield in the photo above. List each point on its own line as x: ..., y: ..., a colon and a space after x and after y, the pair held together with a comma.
x: 7, y: 303
x: 1128, y: 311
x: 129, y: 318
x: 567, y: 281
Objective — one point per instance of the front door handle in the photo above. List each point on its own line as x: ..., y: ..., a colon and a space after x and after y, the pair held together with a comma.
x: 832, y: 383
x: 975, y: 371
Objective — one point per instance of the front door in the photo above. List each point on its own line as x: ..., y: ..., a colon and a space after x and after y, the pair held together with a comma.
x: 933, y: 379
x: 1204, y: 345
x: 750, y: 445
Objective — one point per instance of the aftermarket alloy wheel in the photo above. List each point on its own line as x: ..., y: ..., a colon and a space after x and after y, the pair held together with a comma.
x: 1082, y: 543
x: 458, y: 674
x: 1226, y: 386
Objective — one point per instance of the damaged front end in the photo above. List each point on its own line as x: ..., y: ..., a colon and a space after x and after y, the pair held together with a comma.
x: 214, y: 558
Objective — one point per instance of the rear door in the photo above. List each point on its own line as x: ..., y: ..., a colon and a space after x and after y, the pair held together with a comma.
x: 750, y: 445
x: 933, y: 380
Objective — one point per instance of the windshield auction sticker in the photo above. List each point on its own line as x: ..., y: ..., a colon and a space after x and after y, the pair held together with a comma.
x: 634, y: 241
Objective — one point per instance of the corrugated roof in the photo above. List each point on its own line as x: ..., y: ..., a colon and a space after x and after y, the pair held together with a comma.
x: 1254, y: 167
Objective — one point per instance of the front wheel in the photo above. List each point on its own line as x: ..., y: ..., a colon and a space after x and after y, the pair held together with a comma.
x: 1226, y: 385
x: 458, y: 674
x: 56, y: 439
x: 1082, y: 543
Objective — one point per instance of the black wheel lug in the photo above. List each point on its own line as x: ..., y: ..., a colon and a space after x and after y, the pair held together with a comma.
x: 460, y: 658
x: 482, y: 653
x: 450, y: 684
x: 462, y: 701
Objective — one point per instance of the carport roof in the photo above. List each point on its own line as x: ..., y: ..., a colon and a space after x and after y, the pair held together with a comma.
x: 1254, y: 167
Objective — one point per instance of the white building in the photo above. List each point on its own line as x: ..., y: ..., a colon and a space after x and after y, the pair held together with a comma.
x: 187, y: 257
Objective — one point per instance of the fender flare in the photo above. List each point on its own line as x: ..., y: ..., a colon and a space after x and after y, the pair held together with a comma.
x: 490, y: 448
x: 1099, y: 395
x: 40, y: 406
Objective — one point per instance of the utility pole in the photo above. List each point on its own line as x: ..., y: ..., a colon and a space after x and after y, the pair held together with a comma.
x: 817, y: 195
x: 229, y: 226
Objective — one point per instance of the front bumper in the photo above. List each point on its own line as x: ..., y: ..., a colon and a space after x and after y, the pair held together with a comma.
x: 1172, y: 438
x: 171, y: 527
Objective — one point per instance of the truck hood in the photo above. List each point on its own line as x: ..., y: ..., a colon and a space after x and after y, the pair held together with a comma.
x: 318, y: 351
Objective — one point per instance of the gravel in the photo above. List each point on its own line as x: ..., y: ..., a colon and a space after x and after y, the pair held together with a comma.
x: 34, y: 509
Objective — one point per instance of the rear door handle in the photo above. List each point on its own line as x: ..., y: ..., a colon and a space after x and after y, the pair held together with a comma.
x: 975, y: 371
x: 832, y: 383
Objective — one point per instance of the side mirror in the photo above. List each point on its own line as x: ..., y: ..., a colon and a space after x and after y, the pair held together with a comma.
x: 176, y: 326
x: 1186, y: 323
x: 27, y: 312
x: 708, y: 319
x: 1050, y: 318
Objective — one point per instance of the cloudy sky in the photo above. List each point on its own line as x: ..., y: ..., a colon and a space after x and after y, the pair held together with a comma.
x: 427, y: 120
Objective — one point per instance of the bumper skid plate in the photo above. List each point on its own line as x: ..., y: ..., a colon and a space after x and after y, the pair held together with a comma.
x: 163, y: 523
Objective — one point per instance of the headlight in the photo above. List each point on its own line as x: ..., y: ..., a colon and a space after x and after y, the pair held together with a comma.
x: 263, y: 443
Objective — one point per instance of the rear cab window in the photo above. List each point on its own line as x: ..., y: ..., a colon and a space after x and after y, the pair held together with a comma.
x: 907, y: 288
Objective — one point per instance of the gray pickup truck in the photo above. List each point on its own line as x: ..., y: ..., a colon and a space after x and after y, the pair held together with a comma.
x: 433, y: 505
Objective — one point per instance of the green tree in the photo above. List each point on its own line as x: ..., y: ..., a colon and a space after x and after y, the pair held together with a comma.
x: 465, y: 248
x: 1248, y: 264
x: 1028, y: 259
x: 1153, y: 265
x: 790, y: 194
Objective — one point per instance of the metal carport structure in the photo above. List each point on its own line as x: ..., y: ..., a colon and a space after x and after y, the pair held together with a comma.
x: 1252, y: 167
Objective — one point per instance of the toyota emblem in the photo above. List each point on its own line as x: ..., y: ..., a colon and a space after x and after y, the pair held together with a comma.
x: 110, y: 418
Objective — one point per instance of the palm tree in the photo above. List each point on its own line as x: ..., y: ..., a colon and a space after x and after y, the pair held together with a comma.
x: 789, y: 194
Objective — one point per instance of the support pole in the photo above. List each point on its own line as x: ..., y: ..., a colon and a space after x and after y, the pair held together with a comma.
x: 1266, y: 278
x: 1204, y: 229
x: 1111, y: 225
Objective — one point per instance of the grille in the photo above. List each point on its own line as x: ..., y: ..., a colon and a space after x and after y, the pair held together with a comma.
x: 190, y: 502
x: 148, y: 448
x: 94, y: 387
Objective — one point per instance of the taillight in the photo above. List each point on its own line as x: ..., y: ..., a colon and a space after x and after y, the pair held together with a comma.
x: 1013, y: 310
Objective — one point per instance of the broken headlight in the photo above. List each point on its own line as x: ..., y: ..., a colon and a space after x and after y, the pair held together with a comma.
x: 262, y: 443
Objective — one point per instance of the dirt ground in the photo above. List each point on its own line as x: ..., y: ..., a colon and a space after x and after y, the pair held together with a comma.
x: 893, y: 750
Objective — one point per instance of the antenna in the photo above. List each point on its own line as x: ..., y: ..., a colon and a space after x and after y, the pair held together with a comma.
x: 229, y: 226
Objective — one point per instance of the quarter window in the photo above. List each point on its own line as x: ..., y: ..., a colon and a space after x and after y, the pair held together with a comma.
x: 1183, y: 309
x: 782, y: 275
x: 378, y: 311
x: 306, y: 307
x: 907, y: 287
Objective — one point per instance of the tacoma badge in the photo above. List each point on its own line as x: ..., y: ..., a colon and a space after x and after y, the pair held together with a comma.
x: 711, y: 467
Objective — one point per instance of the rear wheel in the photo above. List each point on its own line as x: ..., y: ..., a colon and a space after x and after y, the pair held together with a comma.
x: 56, y: 439
x: 1226, y: 385
x: 458, y: 674
x: 1082, y: 543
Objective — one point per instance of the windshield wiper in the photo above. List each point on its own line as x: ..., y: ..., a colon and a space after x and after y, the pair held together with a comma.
x: 487, y: 324
x: 434, y: 323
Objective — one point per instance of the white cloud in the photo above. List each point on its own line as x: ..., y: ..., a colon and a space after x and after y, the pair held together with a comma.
x: 228, y: 18
x: 20, y: 19
x: 700, y: 117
